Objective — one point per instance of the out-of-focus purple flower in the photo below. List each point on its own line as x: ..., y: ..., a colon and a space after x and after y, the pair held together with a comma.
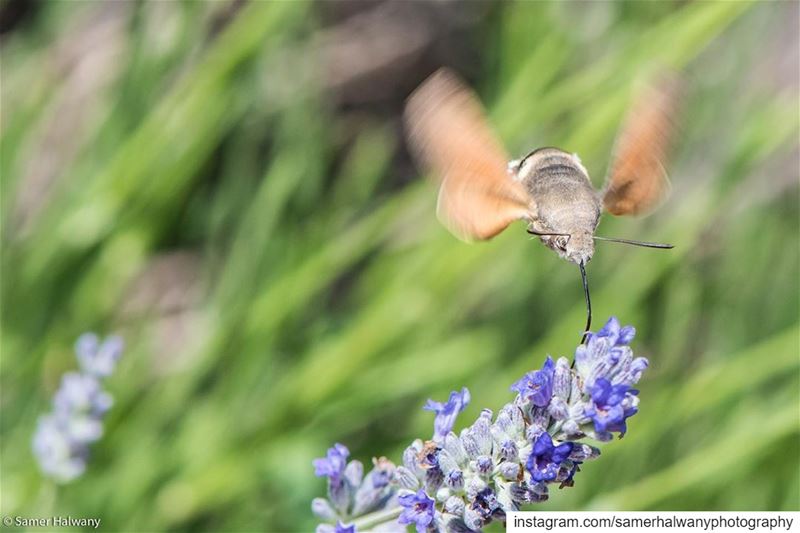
x: 62, y: 438
x: 611, y: 405
x: 446, y: 413
x: 545, y: 458
x: 418, y: 509
x: 81, y: 393
x: 96, y: 358
x: 334, y: 464
x: 59, y: 456
x: 537, y: 386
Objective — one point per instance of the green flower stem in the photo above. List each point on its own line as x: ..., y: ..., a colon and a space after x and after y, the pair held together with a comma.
x: 378, y: 517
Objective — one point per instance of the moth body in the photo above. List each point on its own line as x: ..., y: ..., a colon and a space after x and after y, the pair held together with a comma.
x: 566, y: 202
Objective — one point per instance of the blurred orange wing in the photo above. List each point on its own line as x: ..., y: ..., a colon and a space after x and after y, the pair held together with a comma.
x: 448, y: 131
x: 637, y: 180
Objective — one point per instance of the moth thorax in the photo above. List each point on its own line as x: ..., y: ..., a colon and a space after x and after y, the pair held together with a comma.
x: 550, y: 161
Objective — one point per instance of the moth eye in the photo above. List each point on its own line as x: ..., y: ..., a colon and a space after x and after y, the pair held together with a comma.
x: 561, y: 242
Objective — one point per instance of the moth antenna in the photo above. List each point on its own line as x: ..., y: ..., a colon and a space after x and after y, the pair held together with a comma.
x: 588, y: 303
x: 635, y: 243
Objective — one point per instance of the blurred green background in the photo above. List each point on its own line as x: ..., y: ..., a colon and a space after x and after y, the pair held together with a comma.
x: 226, y: 185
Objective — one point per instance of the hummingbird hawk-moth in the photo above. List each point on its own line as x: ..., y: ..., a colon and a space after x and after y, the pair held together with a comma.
x: 481, y: 192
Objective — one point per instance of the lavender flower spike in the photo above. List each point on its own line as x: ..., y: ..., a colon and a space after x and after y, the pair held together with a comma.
x: 535, y: 443
x: 446, y: 413
x: 62, y: 438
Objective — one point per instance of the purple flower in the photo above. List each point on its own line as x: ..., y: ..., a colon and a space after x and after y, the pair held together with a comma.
x: 341, y: 528
x: 484, y: 464
x: 508, y: 450
x: 537, y: 386
x: 418, y: 509
x: 334, y: 464
x: 96, y: 358
x: 81, y: 393
x: 62, y: 438
x: 545, y: 458
x: 455, y: 479
x: 616, y: 335
x: 611, y: 406
x: 59, y: 456
x: 486, y: 505
x: 607, y: 355
x: 446, y: 413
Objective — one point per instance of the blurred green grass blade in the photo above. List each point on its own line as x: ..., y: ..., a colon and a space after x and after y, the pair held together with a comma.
x: 133, y: 176
x: 743, y: 441
x: 733, y: 375
x: 366, y: 164
x: 674, y: 41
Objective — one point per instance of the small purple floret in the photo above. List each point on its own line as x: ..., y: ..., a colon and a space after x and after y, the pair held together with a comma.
x: 418, y: 509
x: 334, y: 464
x: 537, y: 386
x: 446, y: 413
x: 98, y: 358
x: 486, y: 504
x: 545, y: 458
x: 617, y: 335
x: 608, y: 409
